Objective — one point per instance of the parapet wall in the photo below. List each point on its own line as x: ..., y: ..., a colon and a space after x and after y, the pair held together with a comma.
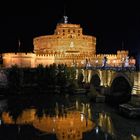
x: 26, y: 60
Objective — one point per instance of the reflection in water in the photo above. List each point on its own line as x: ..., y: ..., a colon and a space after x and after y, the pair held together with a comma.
x: 135, y: 137
x: 69, y: 125
x: 53, y: 119
x: 105, y: 123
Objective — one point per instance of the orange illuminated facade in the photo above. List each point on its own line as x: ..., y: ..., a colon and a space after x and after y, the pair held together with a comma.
x: 68, y: 46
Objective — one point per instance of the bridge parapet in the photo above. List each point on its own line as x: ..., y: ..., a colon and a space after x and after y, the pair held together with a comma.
x: 111, y: 68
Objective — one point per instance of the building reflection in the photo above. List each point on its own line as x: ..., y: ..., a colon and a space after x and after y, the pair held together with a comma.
x: 73, y: 123
x: 70, y: 125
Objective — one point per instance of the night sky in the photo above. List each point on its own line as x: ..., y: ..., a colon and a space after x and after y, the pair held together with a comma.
x: 111, y: 21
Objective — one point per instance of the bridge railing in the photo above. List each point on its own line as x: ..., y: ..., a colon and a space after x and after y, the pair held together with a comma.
x: 110, y: 68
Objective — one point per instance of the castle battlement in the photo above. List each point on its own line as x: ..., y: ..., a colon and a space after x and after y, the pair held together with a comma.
x: 67, y: 45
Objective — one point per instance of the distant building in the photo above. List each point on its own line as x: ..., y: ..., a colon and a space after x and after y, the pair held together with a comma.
x: 67, y: 45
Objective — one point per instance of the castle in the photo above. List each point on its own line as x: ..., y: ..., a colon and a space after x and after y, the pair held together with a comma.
x: 67, y: 46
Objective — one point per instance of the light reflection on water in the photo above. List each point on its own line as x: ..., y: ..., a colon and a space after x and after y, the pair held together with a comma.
x: 65, y: 122
x: 70, y: 126
x: 79, y: 121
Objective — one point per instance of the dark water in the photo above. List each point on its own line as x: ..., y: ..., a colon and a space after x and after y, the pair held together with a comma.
x: 51, y: 117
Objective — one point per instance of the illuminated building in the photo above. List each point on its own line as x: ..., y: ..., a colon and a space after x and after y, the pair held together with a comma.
x: 68, y: 46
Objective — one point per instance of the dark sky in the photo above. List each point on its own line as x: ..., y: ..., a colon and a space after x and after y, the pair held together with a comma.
x: 111, y: 21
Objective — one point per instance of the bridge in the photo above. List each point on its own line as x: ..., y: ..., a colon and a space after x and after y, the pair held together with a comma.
x: 113, y: 78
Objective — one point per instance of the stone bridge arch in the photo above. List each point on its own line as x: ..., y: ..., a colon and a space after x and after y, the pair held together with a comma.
x: 120, y: 74
x: 120, y: 88
x: 95, y: 79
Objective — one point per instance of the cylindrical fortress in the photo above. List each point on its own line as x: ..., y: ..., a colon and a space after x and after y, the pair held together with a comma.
x: 68, y: 44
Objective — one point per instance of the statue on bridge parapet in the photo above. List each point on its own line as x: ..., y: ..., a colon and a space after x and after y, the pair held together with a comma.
x: 104, y: 62
x: 122, y: 62
x: 87, y: 64
x: 126, y: 64
x: 125, y: 61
